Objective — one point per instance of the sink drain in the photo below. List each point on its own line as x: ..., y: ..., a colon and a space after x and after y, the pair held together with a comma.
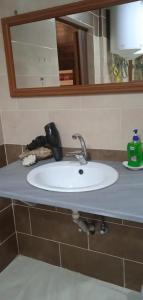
x: 80, y: 172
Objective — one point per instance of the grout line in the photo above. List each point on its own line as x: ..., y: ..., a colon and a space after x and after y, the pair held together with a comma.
x: 13, y: 215
x: 131, y: 226
x: 60, y: 255
x: 53, y: 211
x: 88, y: 246
x: 135, y: 261
x: 38, y: 237
x: 86, y: 249
x: 6, y: 154
x: 11, y: 235
x: 66, y: 213
x: 69, y: 214
x: 3, y: 135
x: 1, y: 211
x: 71, y: 245
x: 32, y: 205
x: 30, y: 221
x: 124, y: 274
x: 17, y: 242
x: 15, y: 226
x: 24, y: 203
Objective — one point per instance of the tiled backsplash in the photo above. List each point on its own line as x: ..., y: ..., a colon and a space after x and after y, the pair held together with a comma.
x: 10, y: 153
x: 2, y: 156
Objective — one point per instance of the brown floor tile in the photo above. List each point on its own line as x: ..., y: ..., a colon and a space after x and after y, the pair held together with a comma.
x: 4, y: 202
x: 6, y: 224
x: 93, y: 264
x: 2, y: 156
x: 13, y: 152
x: 8, y: 251
x: 56, y: 226
x: 133, y: 275
x: 122, y: 241
x: 39, y: 248
x: 22, y: 219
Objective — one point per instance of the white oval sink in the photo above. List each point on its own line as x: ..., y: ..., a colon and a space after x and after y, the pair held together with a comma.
x: 70, y: 176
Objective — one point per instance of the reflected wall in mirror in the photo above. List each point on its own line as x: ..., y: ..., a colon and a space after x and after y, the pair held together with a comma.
x: 35, y: 54
x: 97, y: 50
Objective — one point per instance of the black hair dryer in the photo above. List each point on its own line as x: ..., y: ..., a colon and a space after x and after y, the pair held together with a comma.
x: 53, y: 139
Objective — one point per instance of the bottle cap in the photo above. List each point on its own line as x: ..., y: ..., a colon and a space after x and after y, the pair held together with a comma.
x: 136, y: 137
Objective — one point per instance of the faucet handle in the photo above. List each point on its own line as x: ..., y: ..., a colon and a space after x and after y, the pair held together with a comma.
x: 76, y: 135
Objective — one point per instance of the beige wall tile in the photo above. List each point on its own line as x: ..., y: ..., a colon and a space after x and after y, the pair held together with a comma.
x: 2, y: 57
x: 108, y: 128
x: 26, y: 5
x: 131, y: 118
x: 69, y: 122
x: 23, y: 126
x: 6, y: 102
x: 7, y: 7
x: 105, y: 121
x: 124, y: 101
x: 102, y: 131
x: 50, y: 103
x: 100, y: 128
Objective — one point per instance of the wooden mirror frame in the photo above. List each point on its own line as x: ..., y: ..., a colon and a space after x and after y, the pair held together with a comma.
x: 39, y: 15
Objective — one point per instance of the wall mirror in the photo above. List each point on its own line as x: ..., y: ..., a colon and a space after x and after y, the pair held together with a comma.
x: 82, y: 48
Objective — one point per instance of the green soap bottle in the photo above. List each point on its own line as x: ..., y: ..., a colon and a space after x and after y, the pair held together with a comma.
x: 134, y: 150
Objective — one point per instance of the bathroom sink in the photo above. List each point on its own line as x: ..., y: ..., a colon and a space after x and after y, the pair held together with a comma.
x: 70, y: 176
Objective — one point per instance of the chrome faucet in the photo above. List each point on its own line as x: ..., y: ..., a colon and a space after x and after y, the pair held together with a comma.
x: 81, y: 155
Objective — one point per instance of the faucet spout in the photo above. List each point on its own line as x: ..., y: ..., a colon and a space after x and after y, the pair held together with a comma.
x: 82, y: 156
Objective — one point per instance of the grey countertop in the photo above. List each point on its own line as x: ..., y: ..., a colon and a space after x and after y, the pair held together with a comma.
x: 123, y: 200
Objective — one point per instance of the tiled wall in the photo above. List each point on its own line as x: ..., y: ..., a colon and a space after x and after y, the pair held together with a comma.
x: 8, y: 244
x: 105, y: 121
x: 49, y: 234
x: 9, y: 154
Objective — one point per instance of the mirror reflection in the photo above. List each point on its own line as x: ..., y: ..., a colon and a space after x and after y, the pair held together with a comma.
x: 98, y: 46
